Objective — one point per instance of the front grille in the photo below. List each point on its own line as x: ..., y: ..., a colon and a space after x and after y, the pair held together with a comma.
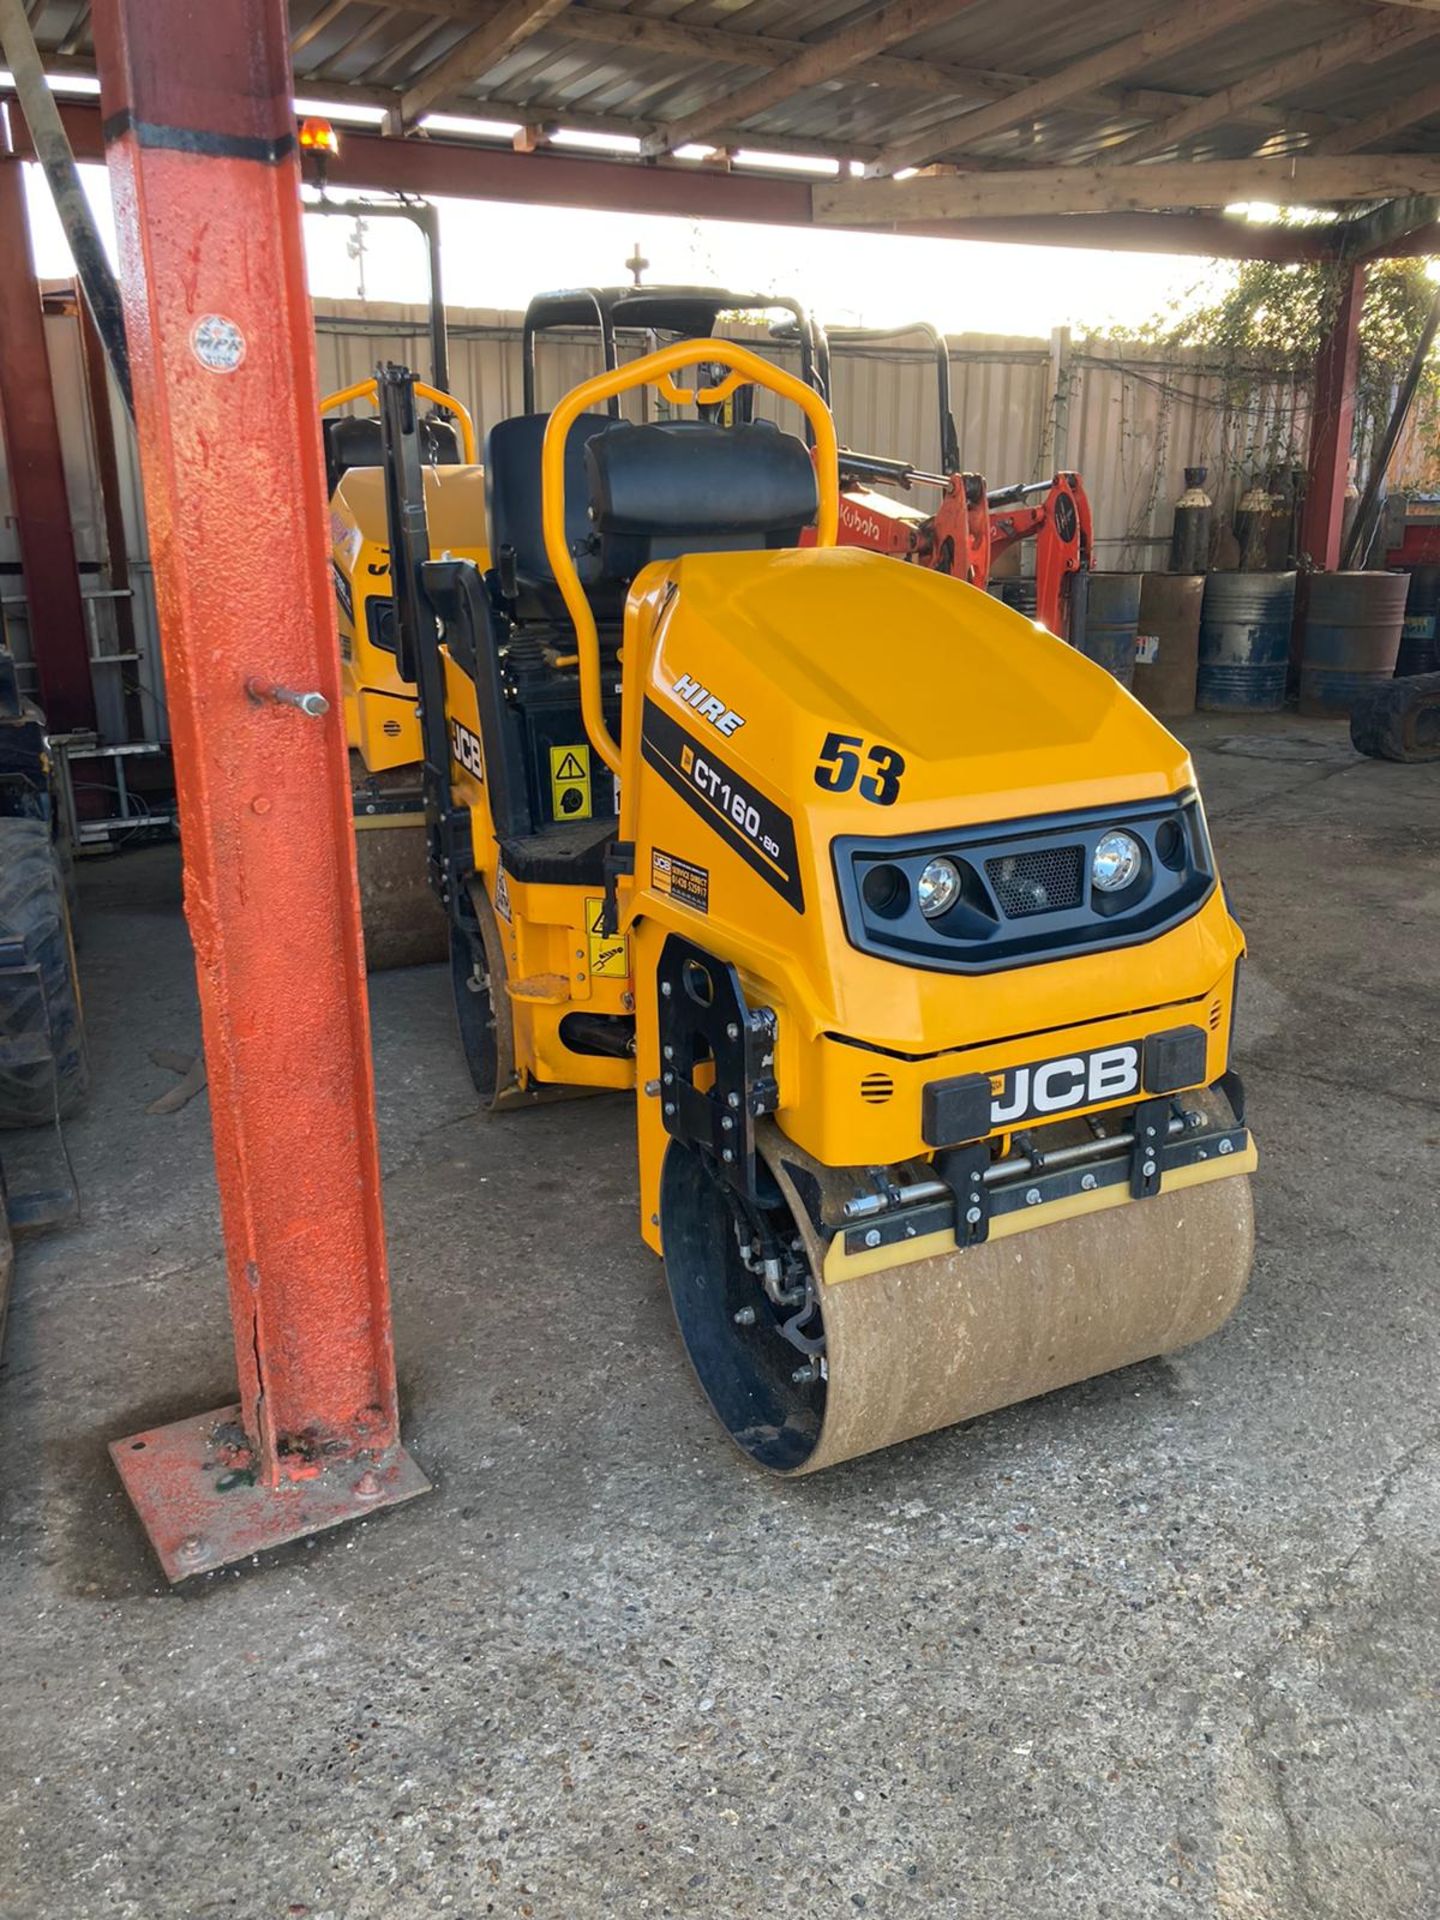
x: 1045, y: 881
x: 876, y: 1088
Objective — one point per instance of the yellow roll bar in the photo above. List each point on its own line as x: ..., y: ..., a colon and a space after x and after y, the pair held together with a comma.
x: 367, y: 390
x: 657, y: 370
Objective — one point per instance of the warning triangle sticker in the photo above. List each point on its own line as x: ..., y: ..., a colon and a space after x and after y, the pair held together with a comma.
x: 569, y: 769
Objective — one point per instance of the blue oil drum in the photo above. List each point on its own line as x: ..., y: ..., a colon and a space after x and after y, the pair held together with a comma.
x: 1418, y: 650
x: 1245, y: 623
x: 1112, y: 618
x: 1351, y: 639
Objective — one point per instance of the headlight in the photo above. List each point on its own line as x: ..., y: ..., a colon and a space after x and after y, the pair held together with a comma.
x: 938, y: 887
x: 1116, y: 862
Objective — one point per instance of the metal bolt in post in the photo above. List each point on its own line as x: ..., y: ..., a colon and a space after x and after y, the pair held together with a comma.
x: 261, y: 691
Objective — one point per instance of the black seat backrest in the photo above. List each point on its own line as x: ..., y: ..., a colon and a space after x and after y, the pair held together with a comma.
x: 692, y: 486
x: 512, y: 501
x: 639, y: 493
x: 357, y: 443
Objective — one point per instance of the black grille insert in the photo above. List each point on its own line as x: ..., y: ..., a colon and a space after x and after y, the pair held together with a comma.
x: 1046, y: 880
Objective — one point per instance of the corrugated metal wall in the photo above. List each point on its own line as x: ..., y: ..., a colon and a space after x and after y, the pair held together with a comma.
x: 1129, y: 419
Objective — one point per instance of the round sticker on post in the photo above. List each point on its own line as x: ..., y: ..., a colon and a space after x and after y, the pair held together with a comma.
x: 217, y: 343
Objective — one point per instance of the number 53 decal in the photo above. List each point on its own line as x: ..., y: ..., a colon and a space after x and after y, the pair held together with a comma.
x: 839, y: 764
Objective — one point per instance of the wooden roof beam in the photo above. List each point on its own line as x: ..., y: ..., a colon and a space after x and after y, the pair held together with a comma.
x: 1374, y: 38
x: 532, y: 113
x: 313, y: 27
x: 1304, y: 180
x: 1166, y: 35
x: 1378, y: 126
x: 812, y: 64
x: 505, y: 28
x: 942, y: 79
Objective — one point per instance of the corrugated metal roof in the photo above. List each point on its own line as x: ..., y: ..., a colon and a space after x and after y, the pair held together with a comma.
x: 654, y: 63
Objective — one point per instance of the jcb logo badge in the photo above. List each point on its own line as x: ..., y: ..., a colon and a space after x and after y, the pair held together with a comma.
x: 1056, y: 1086
x: 465, y: 750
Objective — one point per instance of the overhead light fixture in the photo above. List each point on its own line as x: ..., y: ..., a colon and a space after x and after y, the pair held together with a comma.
x: 784, y: 162
x: 57, y: 82
x: 601, y: 142
x: 471, y: 129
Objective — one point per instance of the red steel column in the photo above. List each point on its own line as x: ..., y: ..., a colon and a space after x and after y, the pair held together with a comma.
x: 1332, y: 422
x: 37, y: 475
x: 201, y: 150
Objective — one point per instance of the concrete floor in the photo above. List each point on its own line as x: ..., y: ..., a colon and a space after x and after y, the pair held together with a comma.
x: 1164, y: 1644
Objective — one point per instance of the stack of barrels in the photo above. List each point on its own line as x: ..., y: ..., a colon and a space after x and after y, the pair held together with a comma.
x: 1222, y: 640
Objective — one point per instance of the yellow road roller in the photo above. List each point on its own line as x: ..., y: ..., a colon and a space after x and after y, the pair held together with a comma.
x: 381, y: 715
x: 900, y: 917
x: 382, y: 724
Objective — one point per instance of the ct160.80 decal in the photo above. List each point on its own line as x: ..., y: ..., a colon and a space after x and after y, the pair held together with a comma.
x: 760, y: 832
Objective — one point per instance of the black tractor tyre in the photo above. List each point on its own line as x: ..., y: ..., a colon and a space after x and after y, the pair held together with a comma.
x: 41, y: 1023
x: 1400, y: 720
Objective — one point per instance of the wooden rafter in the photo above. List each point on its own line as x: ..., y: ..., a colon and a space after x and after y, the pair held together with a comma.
x: 316, y: 25
x: 402, y: 49
x: 1378, y: 126
x: 1305, y: 180
x: 383, y: 17
x: 943, y: 79
x: 1374, y: 38
x: 1166, y: 35
x: 526, y: 113
x: 505, y: 28
x: 600, y: 27
x: 820, y: 60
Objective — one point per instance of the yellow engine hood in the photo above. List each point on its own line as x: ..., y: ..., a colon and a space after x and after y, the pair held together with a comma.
x: 754, y: 660
x: 995, y: 718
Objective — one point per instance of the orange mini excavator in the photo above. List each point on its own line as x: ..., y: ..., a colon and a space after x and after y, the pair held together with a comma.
x: 970, y: 526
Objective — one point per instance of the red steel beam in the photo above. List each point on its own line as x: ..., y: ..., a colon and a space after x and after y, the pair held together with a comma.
x: 1332, y: 424
x: 201, y: 150
x: 468, y: 170
x: 54, y: 609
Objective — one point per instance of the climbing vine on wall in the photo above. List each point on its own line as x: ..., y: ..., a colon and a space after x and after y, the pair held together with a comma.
x: 1264, y: 322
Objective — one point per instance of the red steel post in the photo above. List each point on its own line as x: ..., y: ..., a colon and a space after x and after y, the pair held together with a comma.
x: 56, y: 613
x: 201, y: 151
x: 1332, y: 422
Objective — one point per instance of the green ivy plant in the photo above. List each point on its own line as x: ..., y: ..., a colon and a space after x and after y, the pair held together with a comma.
x: 1262, y: 323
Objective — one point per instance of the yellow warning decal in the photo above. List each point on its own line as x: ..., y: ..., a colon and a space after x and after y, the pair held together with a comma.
x: 609, y: 952
x: 570, y: 783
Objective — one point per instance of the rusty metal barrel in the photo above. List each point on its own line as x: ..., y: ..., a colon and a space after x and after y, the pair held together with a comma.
x: 1351, y: 638
x: 1244, y: 653
x: 1419, y: 652
x: 1170, y: 618
x: 1112, y: 616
